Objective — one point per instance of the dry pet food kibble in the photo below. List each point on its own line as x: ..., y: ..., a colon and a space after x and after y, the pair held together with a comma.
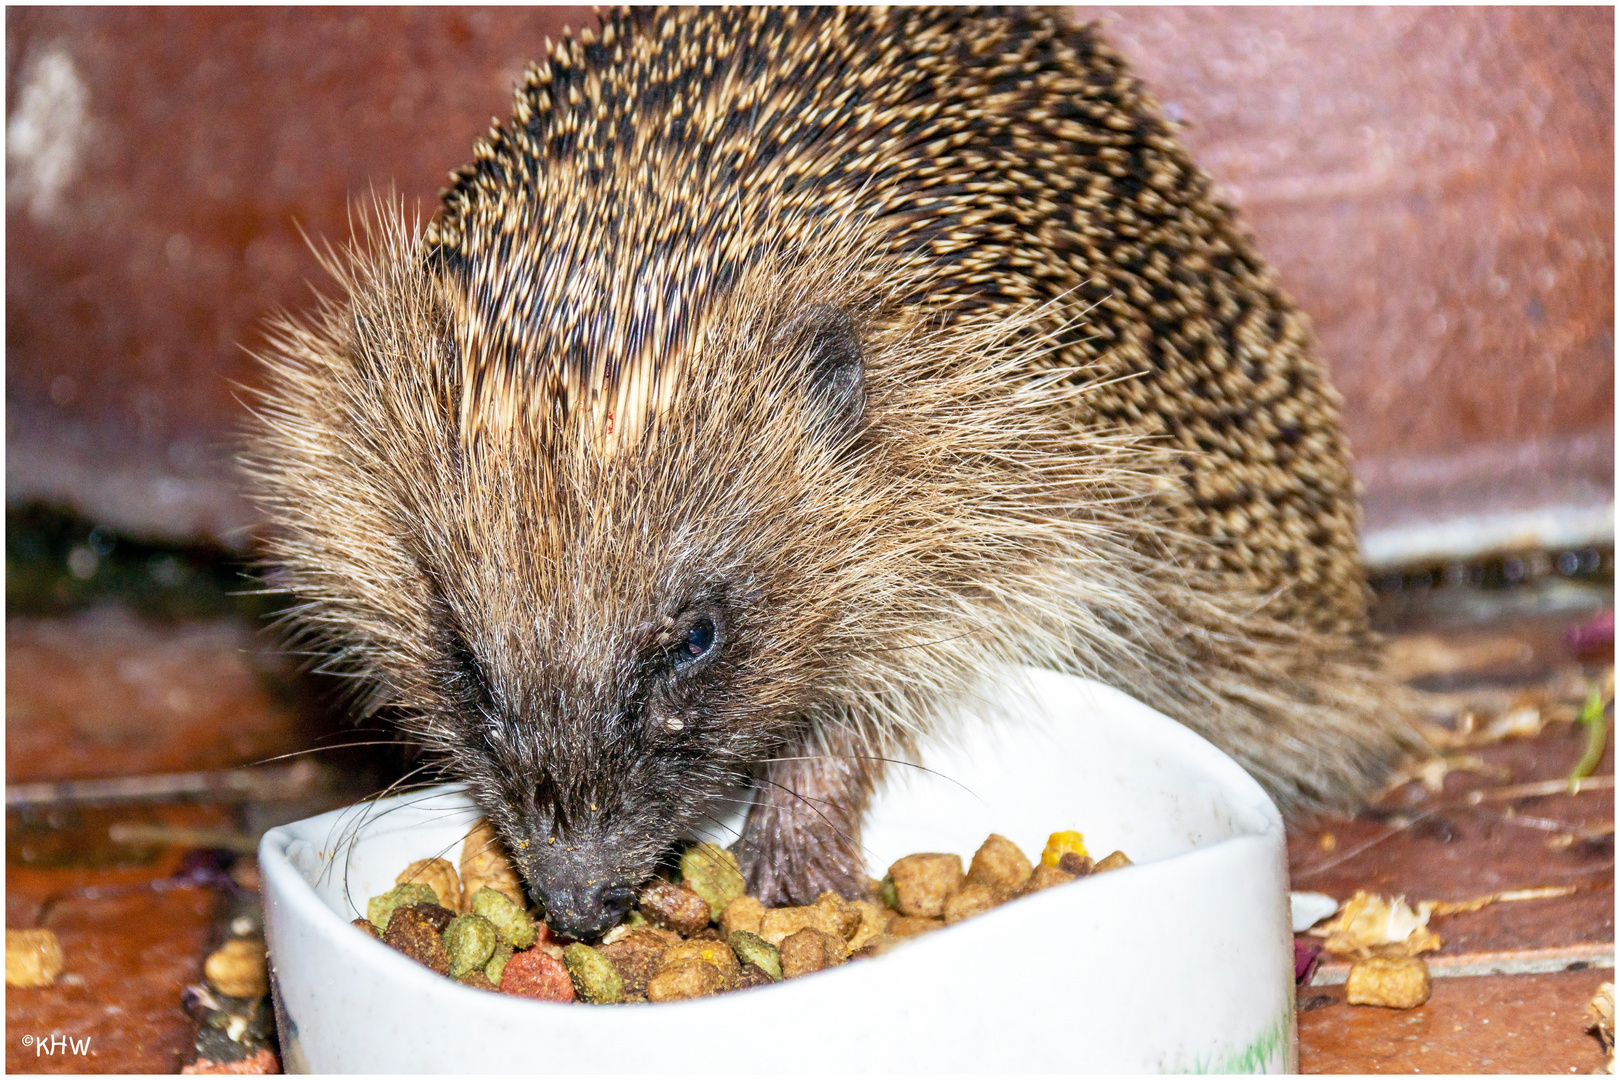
x: 1395, y: 982
x: 471, y: 941
x: 538, y: 975
x: 438, y: 875
x: 922, y: 883
x: 380, y: 908
x: 238, y: 969
x: 33, y: 957
x: 694, y: 937
x: 596, y: 980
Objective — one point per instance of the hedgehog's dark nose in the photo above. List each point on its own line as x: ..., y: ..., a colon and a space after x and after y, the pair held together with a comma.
x: 588, y: 910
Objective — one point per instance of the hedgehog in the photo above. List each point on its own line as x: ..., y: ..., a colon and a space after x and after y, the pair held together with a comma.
x: 771, y: 384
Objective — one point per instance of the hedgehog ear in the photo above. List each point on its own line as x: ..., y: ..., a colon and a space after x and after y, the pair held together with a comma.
x: 834, y: 373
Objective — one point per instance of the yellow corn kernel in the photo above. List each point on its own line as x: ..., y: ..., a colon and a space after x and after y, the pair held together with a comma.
x: 1060, y: 844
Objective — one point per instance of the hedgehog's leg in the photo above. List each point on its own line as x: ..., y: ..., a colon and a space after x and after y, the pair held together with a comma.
x: 803, y: 835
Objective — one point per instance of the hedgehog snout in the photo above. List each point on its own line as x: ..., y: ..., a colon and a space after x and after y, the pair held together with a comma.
x: 583, y: 892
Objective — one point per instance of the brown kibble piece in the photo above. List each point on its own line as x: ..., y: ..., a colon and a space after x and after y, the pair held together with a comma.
x: 752, y: 975
x: 778, y: 923
x: 811, y: 950
x: 478, y: 981
x: 1394, y: 982
x: 846, y: 912
x: 365, y: 924
x: 999, y: 862
x: 716, y: 954
x: 743, y: 913
x: 1044, y: 877
x: 687, y: 981
x: 484, y: 865
x: 238, y: 969
x: 973, y: 900
x: 636, y: 956
x: 33, y: 957
x: 412, y: 933
x: 874, y: 921
x: 1072, y: 862
x: 535, y: 974
x: 437, y: 916
x: 877, y: 946
x: 923, y: 882
x: 438, y: 875
x: 904, y: 926
x: 1111, y: 862
x: 674, y: 906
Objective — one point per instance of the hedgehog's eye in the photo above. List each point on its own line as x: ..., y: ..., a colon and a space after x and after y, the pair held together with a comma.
x: 698, y: 643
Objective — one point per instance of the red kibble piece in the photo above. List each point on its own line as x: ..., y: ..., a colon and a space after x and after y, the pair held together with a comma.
x: 534, y: 974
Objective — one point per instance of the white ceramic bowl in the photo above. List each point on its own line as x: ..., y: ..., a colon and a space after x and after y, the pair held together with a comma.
x: 1182, y: 962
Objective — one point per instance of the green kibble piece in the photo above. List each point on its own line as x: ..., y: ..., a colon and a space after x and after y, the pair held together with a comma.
x: 596, y: 980
x: 753, y: 949
x: 887, y: 894
x: 497, y: 962
x: 379, y: 909
x: 470, y: 940
x: 513, y: 922
x: 712, y: 873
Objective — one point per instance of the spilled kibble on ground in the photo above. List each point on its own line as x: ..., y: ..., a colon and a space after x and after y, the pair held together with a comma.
x: 696, y: 932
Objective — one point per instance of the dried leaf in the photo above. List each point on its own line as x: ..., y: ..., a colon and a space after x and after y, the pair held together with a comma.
x: 1372, y: 923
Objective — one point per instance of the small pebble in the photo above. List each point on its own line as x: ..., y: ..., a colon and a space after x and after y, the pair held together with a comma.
x: 1394, y: 982
x: 238, y: 968
x: 470, y: 940
x: 380, y: 908
x: 712, y: 873
x: 999, y: 862
x: 811, y: 950
x: 674, y: 906
x: 692, y: 980
x: 515, y: 924
x: 438, y: 875
x: 33, y: 957
x: 923, y: 882
x: 534, y: 974
x: 754, y: 951
x: 411, y: 932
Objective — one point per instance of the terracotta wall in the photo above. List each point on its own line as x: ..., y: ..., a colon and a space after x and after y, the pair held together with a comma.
x: 1436, y: 186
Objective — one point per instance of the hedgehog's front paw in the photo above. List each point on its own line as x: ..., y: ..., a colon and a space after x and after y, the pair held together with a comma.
x: 803, y: 833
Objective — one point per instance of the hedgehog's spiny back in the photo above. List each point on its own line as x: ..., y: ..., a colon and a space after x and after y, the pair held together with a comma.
x: 1007, y: 162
